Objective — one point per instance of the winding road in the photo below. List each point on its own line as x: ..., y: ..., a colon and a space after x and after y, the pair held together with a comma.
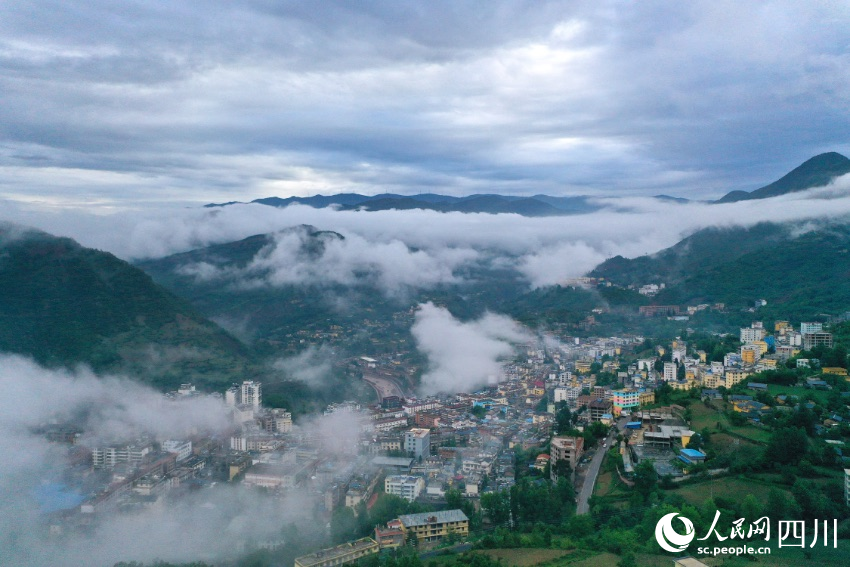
x: 383, y: 386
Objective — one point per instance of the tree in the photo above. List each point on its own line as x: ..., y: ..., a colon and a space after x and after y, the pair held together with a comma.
x: 497, y: 506
x: 695, y: 442
x: 663, y: 393
x: 563, y: 419
x: 787, y: 445
x: 454, y: 499
x: 836, y: 357
x: 646, y: 478
x: 343, y: 524
x: 751, y: 508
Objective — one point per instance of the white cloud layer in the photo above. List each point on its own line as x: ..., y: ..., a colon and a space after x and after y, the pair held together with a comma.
x: 297, y: 258
x: 398, y: 250
x: 205, y: 525
x: 463, y: 356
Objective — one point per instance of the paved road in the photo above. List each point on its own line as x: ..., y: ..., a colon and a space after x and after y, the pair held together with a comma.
x: 591, y: 470
x: 383, y: 386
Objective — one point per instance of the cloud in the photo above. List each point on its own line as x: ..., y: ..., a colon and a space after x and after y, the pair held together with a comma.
x: 222, y: 100
x: 400, y: 251
x: 463, y: 355
x: 301, y: 256
x: 313, y: 366
x: 205, y: 524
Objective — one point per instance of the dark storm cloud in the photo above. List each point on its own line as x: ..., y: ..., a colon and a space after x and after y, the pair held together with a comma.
x: 235, y: 100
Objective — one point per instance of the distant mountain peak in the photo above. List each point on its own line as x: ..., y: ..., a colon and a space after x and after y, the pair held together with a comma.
x: 814, y: 172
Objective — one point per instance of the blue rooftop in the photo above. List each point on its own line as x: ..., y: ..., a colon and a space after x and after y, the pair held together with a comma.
x: 693, y: 453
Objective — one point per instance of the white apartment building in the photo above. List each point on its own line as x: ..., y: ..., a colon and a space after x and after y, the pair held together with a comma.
x: 752, y: 334
x: 670, y: 371
x: 417, y: 442
x: 182, y: 447
x: 108, y: 457
x: 562, y: 394
x: 807, y: 328
x: 252, y: 393
x: 249, y: 393
x: 407, y: 487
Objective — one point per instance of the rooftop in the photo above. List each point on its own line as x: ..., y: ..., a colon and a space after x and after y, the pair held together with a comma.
x: 425, y: 518
x: 324, y: 555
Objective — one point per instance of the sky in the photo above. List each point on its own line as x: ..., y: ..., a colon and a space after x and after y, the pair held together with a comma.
x: 143, y: 104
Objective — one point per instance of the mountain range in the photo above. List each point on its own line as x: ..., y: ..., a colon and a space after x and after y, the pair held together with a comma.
x: 64, y: 304
x: 814, y: 172
x: 536, y: 206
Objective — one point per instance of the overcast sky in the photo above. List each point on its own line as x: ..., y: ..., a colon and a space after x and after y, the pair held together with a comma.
x: 133, y: 103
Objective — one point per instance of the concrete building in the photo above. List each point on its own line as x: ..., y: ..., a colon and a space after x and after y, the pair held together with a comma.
x: 750, y: 354
x: 625, y: 401
x: 599, y: 408
x: 276, y: 421
x: 252, y: 393
x: 249, y: 393
x: 750, y: 335
x: 811, y: 340
x: 567, y: 449
x: 735, y: 376
x: 108, y: 457
x: 434, y: 526
x: 407, y: 487
x: 182, y: 448
x: 670, y: 371
x: 646, y: 397
x: 807, y: 328
x: 340, y: 555
x: 417, y: 442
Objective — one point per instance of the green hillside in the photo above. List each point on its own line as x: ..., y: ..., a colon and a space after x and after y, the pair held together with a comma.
x: 798, y: 274
x: 815, y: 172
x: 64, y: 304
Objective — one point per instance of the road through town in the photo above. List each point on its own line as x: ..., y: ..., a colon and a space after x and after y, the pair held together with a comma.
x: 592, y: 470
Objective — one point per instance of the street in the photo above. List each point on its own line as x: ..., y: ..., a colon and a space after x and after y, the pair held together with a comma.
x: 592, y: 469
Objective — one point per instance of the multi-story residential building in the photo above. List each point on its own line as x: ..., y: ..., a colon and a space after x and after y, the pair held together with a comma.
x: 712, y: 380
x: 807, y: 328
x: 750, y: 354
x: 417, y: 442
x: 434, y: 526
x: 183, y: 448
x: 752, y: 334
x: 599, y: 408
x: 567, y: 449
x: 407, y: 487
x: 390, y: 423
x: 735, y: 376
x: 249, y: 393
x: 625, y: 401
x: 276, y: 421
x: 108, y: 457
x: 340, y: 555
x: 252, y: 393
x: 670, y: 371
x: 646, y: 397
